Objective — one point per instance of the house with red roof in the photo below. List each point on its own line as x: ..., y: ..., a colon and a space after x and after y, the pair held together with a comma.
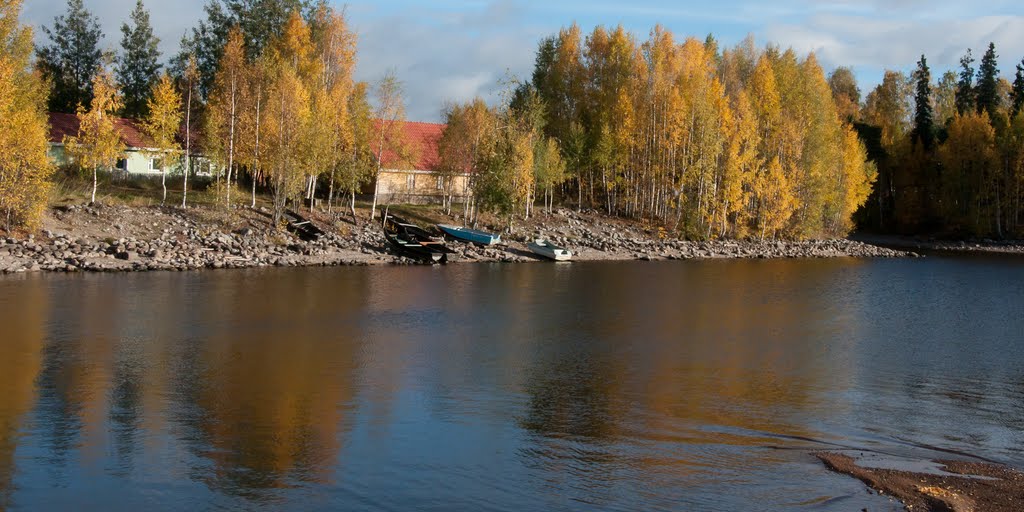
x: 407, y: 178
x: 413, y: 178
x: 138, y: 158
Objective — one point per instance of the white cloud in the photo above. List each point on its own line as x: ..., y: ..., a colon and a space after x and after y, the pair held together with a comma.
x: 870, y: 45
x: 456, y: 49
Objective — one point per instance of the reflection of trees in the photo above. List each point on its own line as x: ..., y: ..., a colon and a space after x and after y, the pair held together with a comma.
x: 712, y: 353
x: 20, y: 360
x: 78, y: 365
x: 275, y: 373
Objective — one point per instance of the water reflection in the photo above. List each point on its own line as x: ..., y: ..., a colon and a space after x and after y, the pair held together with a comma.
x: 20, y: 362
x: 604, y: 385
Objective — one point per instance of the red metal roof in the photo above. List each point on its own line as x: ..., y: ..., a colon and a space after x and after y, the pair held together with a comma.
x: 422, y: 139
x: 62, y: 125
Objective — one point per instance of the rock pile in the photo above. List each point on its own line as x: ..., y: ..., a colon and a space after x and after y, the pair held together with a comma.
x: 155, y: 238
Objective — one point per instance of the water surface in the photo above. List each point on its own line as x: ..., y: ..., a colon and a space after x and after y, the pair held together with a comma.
x: 584, y: 386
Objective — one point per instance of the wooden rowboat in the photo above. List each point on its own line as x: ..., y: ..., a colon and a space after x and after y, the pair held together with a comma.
x: 464, y: 234
x: 549, y: 250
x: 411, y: 241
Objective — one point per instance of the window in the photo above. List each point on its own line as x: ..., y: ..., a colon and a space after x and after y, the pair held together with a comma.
x: 440, y: 182
x: 411, y: 182
x: 155, y: 164
x: 122, y: 164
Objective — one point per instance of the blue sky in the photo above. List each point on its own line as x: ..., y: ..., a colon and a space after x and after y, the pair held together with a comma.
x: 455, y: 49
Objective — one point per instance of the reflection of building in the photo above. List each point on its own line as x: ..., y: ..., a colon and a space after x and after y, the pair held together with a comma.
x: 417, y: 181
x: 138, y: 157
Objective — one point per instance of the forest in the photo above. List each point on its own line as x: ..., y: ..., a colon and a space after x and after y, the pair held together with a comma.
x: 702, y: 140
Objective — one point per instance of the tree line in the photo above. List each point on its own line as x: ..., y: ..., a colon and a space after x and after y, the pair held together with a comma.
x: 708, y: 141
x: 950, y: 151
x: 737, y: 142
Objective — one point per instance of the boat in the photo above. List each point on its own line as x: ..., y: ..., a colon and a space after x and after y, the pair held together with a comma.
x: 464, y: 234
x: 411, y: 241
x: 302, y: 227
x: 549, y: 250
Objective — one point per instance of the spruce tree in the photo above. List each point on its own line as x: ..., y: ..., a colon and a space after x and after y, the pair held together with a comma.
x: 138, y: 67
x: 1017, y: 93
x: 72, y: 58
x: 260, y: 20
x: 923, y: 114
x: 965, y: 85
x: 987, y: 89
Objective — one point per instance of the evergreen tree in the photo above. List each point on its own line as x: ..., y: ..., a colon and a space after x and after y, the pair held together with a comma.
x: 965, y: 85
x: 1017, y: 95
x: 138, y: 68
x: 72, y: 58
x: 260, y: 20
x: 987, y: 89
x: 923, y: 114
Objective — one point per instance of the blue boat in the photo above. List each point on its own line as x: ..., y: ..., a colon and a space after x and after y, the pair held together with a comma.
x: 469, y: 235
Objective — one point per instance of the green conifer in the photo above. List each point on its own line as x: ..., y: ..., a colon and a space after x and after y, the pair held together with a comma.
x: 72, y: 58
x: 138, y: 67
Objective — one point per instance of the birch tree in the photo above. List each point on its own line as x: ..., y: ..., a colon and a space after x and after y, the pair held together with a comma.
x: 389, y: 130
x: 161, y: 125
x: 223, y: 110
x: 98, y: 144
x: 190, y: 82
x: 24, y: 166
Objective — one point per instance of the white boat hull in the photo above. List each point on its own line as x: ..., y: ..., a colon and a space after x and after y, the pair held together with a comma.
x: 549, y: 250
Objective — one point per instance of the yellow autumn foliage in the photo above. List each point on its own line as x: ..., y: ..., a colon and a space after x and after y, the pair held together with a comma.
x: 24, y: 167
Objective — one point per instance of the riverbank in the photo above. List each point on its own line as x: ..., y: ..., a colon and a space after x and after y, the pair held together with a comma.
x: 137, y: 238
x: 928, y: 244
x: 945, y: 485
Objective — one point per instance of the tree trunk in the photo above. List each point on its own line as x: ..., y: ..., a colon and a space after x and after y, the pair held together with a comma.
x: 352, y: 208
x: 163, y: 183
x: 312, y: 193
x: 95, y: 169
x: 376, y: 188
x: 188, y: 145
x: 579, y: 194
x: 330, y: 194
x: 256, y: 150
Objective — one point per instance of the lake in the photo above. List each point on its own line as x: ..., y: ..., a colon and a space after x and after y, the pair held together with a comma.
x: 700, y: 385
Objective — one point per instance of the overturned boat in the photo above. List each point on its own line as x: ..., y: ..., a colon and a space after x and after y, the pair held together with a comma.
x: 464, y: 234
x: 549, y: 250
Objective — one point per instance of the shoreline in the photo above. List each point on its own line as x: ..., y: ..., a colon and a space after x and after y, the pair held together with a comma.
x: 132, y: 239
x: 934, y: 485
x: 931, y: 244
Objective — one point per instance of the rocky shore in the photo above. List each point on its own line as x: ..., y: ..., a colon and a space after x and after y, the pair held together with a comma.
x: 928, y: 244
x: 946, y: 486
x: 122, y: 238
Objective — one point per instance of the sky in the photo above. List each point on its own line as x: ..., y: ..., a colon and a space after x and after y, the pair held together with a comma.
x: 453, y: 50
